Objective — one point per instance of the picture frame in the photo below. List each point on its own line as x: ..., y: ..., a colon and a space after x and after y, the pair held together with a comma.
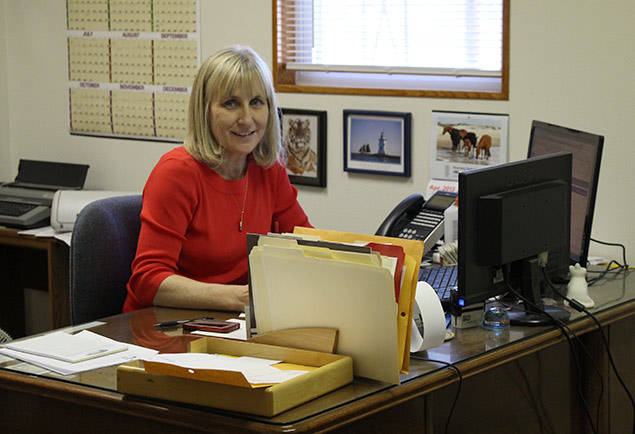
x: 451, y: 150
x: 304, y: 139
x: 377, y: 142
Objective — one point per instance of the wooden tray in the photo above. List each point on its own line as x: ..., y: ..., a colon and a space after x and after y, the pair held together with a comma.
x: 331, y: 372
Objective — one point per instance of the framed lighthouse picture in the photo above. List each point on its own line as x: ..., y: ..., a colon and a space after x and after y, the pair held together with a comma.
x: 377, y: 142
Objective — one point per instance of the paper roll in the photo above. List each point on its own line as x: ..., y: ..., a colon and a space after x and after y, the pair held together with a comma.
x: 428, y: 319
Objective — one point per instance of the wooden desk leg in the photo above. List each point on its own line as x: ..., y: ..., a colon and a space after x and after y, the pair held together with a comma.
x: 11, y: 293
x: 58, y: 276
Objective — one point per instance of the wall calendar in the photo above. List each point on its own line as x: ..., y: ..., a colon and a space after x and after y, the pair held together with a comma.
x: 131, y: 64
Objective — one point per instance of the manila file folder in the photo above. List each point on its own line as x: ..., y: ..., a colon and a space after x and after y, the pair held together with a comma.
x: 306, y: 287
x: 413, y: 250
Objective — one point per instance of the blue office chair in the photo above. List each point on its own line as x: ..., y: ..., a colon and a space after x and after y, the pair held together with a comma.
x: 103, y: 245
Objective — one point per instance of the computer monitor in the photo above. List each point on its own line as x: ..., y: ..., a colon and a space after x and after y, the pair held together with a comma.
x: 509, y: 216
x: 586, y: 149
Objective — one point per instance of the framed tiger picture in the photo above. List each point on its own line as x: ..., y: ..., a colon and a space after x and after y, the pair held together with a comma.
x: 304, y: 140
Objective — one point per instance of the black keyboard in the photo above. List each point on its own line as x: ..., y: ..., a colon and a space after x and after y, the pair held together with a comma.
x: 15, y: 209
x: 442, y: 280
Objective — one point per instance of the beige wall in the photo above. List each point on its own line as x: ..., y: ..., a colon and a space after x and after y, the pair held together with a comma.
x: 576, y: 72
x: 5, y: 160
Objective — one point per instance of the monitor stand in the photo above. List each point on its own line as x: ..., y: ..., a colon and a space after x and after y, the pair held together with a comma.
x: 536, y: 313
x: 534, y: 319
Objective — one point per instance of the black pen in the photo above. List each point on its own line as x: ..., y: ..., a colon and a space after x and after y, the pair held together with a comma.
x: 171, y: 323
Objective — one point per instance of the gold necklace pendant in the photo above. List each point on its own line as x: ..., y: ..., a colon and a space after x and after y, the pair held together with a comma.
x: 242, y: 211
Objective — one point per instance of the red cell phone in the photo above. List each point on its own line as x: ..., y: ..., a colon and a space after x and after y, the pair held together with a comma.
x: 211, y: 325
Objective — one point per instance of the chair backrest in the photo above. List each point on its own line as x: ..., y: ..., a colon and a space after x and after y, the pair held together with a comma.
x: 103, y: 245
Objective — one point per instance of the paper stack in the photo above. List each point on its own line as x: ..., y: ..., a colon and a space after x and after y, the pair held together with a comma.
x: 67, y: 354
x: 66, y: 347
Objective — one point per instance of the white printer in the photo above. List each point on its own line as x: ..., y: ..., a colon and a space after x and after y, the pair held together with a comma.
x: 68, y: 203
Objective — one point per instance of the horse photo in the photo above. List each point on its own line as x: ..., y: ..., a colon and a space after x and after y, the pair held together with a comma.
x: 467, y: 143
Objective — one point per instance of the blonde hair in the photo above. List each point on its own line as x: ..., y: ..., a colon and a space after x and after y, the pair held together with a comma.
x: 218, y: 77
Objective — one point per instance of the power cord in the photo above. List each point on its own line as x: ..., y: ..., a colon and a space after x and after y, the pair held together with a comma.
x: 580, y: 308
x: 614, y: 245
x: 613, y: 267
x: 458, y: 390
x: 564, y: 329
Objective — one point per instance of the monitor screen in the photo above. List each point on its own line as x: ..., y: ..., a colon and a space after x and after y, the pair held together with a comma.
x: 509, y: 216
x: 586, y: 149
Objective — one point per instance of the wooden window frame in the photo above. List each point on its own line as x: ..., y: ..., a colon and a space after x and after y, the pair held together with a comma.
x: 284, y: 79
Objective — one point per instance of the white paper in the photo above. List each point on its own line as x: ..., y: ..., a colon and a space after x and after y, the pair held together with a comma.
x: 48, y: 231
x: 64, y: 237
x: 28, y: 368
x: 67, y: 347
x: 255, y: 370
x: 133, y: 352
x: 80, y: 327
x: 45, y: 231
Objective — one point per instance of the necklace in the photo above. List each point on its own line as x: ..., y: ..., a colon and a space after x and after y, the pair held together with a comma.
x: 242, y: 211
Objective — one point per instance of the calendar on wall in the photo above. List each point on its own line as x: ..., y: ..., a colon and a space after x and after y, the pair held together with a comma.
x: 131, y: 65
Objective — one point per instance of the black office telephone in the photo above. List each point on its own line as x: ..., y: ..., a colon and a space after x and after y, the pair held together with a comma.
x: 415, y: 218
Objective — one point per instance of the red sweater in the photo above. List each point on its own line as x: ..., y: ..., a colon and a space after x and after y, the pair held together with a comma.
x: 190, y: 219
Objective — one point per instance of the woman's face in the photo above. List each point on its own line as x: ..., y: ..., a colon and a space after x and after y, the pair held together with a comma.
x: 239, y: 121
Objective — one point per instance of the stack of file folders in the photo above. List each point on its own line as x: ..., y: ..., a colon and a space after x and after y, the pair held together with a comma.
x: 362, y: 285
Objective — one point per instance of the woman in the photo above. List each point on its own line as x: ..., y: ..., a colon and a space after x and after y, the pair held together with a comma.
x: 202, y: 199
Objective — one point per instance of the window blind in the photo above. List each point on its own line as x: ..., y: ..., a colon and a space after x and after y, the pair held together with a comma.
x: 389, y: 40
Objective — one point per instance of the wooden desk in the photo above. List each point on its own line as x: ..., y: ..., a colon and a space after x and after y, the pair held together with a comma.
x: 523, y: 380
x: 32, y: 262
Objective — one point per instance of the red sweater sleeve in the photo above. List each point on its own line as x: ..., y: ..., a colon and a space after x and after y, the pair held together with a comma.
x: 169, y: 201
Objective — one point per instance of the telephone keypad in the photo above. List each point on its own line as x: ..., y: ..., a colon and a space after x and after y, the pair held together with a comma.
x: 422, y: 225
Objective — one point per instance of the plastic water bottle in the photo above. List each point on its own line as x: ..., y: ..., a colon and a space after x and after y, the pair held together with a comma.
x: 451, y: 222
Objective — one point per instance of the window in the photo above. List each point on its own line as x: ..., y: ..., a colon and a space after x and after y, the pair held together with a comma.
x: 435, y: 48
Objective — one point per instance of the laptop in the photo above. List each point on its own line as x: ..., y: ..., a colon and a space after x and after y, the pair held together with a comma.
x: 26, y: 202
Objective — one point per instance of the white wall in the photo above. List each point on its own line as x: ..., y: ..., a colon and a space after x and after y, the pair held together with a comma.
x: 576, y: 72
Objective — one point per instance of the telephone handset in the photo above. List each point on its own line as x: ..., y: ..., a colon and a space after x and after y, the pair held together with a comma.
x: 414, y: 218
